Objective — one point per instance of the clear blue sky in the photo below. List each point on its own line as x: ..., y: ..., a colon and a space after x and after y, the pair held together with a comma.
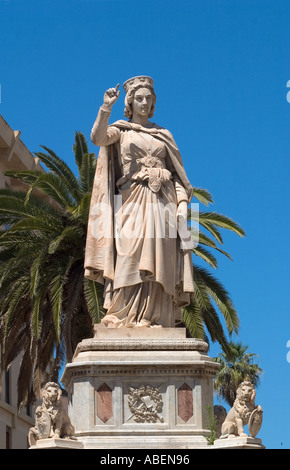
x: 220, y: 69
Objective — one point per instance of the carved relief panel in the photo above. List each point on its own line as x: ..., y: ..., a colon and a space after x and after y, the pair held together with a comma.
x: 145, y: 403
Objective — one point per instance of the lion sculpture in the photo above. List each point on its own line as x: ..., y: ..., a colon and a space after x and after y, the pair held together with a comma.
x: 243, y: 412
x: 51, y: 419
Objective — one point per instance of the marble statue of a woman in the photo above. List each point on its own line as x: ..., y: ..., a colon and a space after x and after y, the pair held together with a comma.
x: 135, y: 246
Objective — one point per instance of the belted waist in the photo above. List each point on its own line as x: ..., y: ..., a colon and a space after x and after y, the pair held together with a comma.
x: 144, y: 162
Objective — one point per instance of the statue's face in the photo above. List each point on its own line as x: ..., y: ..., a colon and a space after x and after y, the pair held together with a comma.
x: 142, y: 102
x: 52, y: 393
x: 246, y: 392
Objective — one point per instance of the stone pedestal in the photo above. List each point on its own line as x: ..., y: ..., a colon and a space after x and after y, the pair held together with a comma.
x: 57, y: 444
x: 140, y: 388
x: 244, y: 442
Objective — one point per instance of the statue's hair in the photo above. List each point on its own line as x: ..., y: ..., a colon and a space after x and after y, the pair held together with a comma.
x: 128, y: 112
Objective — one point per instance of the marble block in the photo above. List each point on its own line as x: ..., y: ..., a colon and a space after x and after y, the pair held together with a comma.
x: 140, y: 388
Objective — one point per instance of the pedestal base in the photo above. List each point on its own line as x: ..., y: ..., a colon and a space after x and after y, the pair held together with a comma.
x: 238, y: 443
x: 57, y: 444
x: 140, y: 388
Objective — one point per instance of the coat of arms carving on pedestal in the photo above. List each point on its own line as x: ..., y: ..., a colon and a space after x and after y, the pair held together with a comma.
x: 145, y: 404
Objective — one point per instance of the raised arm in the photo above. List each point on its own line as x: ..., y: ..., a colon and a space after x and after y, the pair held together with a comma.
x: 102, y: 134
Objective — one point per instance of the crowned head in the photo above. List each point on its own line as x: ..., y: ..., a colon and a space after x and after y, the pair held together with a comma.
x: 131, y: 86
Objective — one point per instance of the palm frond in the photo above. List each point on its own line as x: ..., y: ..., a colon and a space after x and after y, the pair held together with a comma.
x: 221, y: 221
x: 35, y: 223
x: 205, y: 255
x: 87, y: 172
x: 202, y: 195
x: 15, y: 207
x: 50, y: 184
x: 205, y: 240
x: 193, y: 319
x: 83, y: 209
x: 93, y: 295
x: 214, y: 327
x: 27, y: 176
x: 14, y: 297
x: 36, y: 323
x: 62, y: 170
x: 211, y: 229
x: 70, y: 235
x: 221, y: 297
x: 80, y: 148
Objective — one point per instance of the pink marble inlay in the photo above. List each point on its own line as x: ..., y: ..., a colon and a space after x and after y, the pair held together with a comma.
x: 185, y: 402
x: 104, y: 403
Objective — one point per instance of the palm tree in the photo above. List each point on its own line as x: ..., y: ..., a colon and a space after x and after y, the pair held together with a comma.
x: 47, y: 306
x: 237, y: 365
x: 210, y: 297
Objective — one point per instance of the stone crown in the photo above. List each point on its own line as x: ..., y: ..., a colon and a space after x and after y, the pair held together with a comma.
x: 139, y: 80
